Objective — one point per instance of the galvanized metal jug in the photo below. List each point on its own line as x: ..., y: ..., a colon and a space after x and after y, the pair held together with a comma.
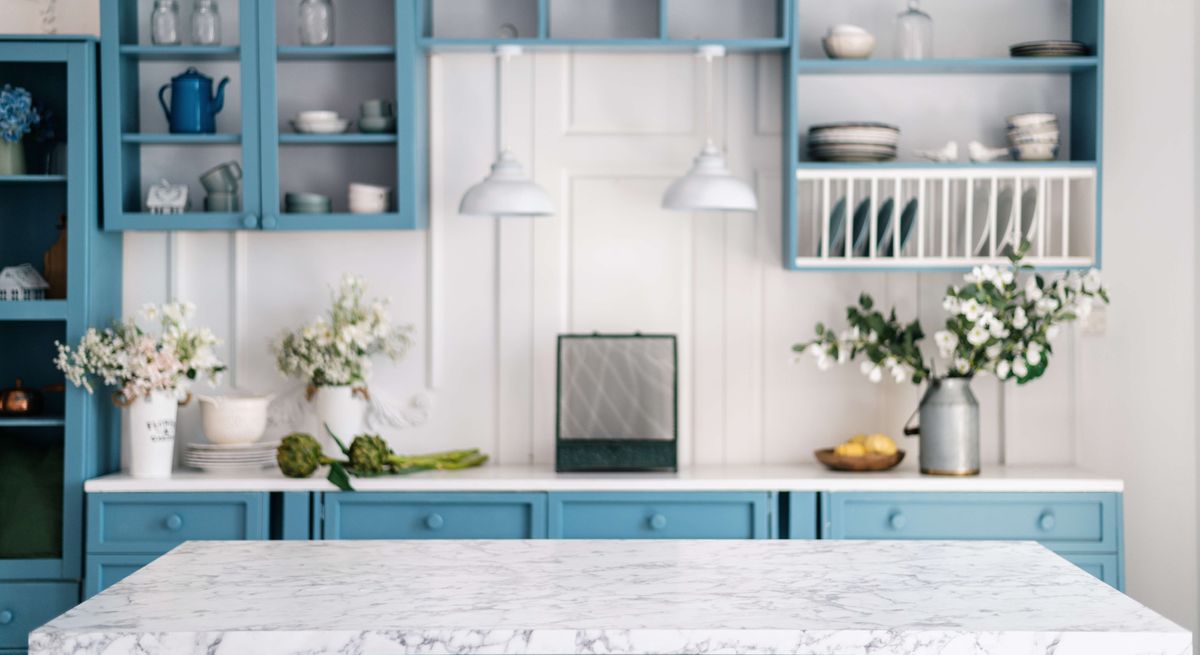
x: 949, y: 428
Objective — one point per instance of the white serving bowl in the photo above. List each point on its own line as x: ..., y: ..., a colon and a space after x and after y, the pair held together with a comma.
x: 234, y: 419
x: 321, y: 127
x: 846, y: 28
x: 1035, y: 152
x: 317, y: 116
x: 849, y: 45
x: 368, y: 206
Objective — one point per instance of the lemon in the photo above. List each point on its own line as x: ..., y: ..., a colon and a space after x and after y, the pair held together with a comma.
x: 850, y: 449
x: 859, y: 438
x: 880, y: 444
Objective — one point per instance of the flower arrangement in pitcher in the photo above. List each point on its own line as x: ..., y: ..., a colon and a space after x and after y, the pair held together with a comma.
x: 337, y: 349
x: 17, y: 113
x: 996, y: 323
x: 138, y: 363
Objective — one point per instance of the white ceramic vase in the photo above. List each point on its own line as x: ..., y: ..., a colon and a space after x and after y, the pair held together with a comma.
x: 151, y: 422
x: 343, y: 410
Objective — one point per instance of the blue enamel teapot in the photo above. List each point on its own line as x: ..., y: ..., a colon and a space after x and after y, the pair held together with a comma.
x: 193, y: 107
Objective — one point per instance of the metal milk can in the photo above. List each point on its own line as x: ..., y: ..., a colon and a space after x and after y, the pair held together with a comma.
x: 949, y: 428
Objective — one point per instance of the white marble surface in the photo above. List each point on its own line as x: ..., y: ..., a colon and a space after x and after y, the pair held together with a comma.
x: 828, y: 597
x: 801, y: 477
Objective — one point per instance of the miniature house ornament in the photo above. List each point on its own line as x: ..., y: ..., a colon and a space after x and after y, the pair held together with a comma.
x: 167, y: 198
x: 22, y: 283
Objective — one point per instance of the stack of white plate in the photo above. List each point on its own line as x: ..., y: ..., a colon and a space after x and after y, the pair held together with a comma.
x: 1033, y: 137
x: 1049, y: 48
x: 229, y: 458
x: 853, y: 142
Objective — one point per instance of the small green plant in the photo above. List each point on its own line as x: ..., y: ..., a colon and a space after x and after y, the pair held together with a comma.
x: 299, y: 455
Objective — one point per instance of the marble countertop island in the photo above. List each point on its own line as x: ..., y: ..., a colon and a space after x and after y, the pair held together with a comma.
x: 827, y: 597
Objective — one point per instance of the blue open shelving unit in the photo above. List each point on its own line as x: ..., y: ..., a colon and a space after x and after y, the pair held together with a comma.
x: 41, y: 525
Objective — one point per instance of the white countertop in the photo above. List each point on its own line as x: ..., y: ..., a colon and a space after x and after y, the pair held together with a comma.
x: 829, y: 597
x: 543, y: 478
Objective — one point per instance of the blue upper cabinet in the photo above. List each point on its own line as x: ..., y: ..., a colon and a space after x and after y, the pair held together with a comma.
x: 272, y: 78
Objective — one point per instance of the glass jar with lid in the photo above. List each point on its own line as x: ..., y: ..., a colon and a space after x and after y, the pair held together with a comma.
x: 206, y: 23
x: 914, y: 33
x: 164, y: 23
x: 316, y: 22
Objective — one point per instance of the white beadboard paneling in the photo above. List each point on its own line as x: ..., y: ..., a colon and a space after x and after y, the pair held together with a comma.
x: 623, y: 94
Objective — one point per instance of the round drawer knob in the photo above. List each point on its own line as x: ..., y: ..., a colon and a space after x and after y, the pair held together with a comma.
x: 658, y: 522
x: 434, y: 521
x: 249, y: 221
x: 897, y: 520
x: 269, y: 222
x: 6, y: 617
x: 174, y: 522
x: 1046, y: 521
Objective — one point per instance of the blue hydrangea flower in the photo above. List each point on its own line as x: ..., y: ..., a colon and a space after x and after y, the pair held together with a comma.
x: 17, y: 113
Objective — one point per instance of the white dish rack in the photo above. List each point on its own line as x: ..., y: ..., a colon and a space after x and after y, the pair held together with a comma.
x: 960, y: 216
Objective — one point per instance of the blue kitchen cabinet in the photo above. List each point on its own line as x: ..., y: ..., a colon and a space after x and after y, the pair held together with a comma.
x: 103, y: 571
x: 1083, y: 527
x: 153, y: 523
x: 272, y: 77
x: 26, y: 605
x: 800, y: 517
x: 662, y: 515
x: 369, y: 515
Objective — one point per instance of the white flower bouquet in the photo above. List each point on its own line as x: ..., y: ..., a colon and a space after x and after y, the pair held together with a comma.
x: 996, y: 323
x: 138, y: 363
x: 336, y: 350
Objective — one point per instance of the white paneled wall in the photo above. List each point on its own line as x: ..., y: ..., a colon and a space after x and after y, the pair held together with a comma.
x: 604, y: 133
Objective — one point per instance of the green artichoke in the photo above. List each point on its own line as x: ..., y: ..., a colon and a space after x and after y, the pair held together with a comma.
x: 369, y: 454
x: 299, y: 455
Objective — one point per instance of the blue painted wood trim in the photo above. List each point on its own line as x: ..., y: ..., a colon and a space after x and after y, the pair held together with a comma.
x: 791, y: 139
x: 260, y: 125
x: 802, y: 522
x: 102, y: 571
x: 632, y: 44
x: 988, y: 65
x: 296, y: 517
x: 149, y: 513
x: 333, y: 526
x: 664, y: 13
x: 412, y: 136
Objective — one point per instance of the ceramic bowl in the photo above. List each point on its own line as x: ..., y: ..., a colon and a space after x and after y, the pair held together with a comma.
x: 849, y: 45
x: 1035, y: 151
x: 234, y: 419
x: 364, y: 206
x: 1029, y: 120
x: 377, y: 124
x: 337, y: 126
x: 317, y: 116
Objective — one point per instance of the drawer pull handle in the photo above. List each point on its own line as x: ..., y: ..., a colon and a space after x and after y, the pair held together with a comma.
x: 658, y: 522
x: 6, y: 617
x: 897, y: 520
x: 434, y: 521
x: 1046, y: 521
x: 174, y: 522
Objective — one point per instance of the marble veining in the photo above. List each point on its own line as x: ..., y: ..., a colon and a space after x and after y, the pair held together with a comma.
x: 818, y: 597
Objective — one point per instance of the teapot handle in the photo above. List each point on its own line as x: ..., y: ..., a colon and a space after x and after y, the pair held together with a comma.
x: 911, y: 430
x: 162, y: 101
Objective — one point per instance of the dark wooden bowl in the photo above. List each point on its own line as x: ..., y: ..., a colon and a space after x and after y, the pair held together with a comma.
x: 864, y: 463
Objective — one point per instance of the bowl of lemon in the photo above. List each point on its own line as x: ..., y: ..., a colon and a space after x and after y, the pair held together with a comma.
x: 862, y: 452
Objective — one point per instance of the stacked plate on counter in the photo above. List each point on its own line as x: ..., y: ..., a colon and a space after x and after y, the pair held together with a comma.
x: 1049, y: 49
x: 230, y: 458
x: 853, y: 142
x: 1033, y: 137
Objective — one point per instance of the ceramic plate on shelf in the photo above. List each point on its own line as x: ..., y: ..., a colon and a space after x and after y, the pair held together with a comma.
x: 1029, y: 203
x: 883, y: 244
x: 837, y: 227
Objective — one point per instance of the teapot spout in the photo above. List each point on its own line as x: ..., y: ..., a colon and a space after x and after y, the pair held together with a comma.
x: 218, y: 102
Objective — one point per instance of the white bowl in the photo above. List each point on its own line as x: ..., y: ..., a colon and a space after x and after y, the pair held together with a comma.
x: 234, y: 419
x: 321, y: 127
x: 317, y: 116
x: 845, y: 28
x: 367, y: 207
x: 1035, y: 152
x: 849, y: 45
x: 1029, y: 120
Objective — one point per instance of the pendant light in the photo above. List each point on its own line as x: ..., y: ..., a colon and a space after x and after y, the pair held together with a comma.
x: 507, y: 190
x: 708, y: 185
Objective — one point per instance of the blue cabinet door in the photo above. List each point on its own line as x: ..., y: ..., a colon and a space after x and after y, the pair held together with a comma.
x: 672, y: 515
x: 103, y: 571
x: 366, y: 515
x: 25, y: 606
x: 1065, y: 522
x: 1105, y: 567
x: 153, y: 523
x: 802, y: 515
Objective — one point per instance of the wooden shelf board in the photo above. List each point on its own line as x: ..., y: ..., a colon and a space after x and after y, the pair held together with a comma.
x: 994, y: 65
x: 31, y: 421
x: 181, y: 139
x: 300, y: 52
x: 348, y: 138
x: 33, y: 310
x: 31, y: 179
x: 177, y: 52
x: 187, y: 221
x: 648, y: 43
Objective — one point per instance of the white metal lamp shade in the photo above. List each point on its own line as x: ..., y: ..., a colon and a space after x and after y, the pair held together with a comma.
x: 507, y: 191
x: 709, y: 186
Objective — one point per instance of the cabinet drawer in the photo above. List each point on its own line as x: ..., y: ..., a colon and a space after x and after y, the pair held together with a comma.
x: 25, y: 606
x: 155, y: 523
x: 104, y: 571
x: 1105, y: 567
x: 660, y: 515
x: 434, y: 516
x: 1069, y: 522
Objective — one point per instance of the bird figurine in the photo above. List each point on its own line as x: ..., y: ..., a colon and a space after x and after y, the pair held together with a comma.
x: 981, y: 153
x: 946, y: 153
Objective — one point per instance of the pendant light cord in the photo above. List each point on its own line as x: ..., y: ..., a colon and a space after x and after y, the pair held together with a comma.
x: 503, y: 54
x: 709, y: 52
